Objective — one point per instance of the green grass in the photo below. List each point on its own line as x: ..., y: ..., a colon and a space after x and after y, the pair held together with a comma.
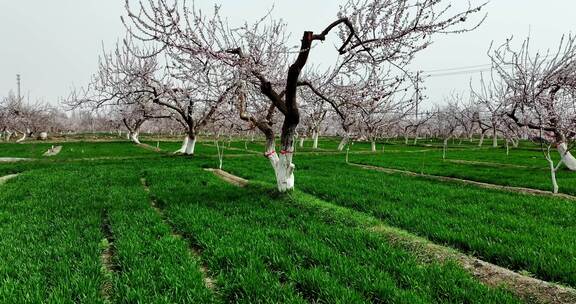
x: 522, y: 232
x: 51, y: 222
x: 49, y: 247
x: 522, y: 168
x: 267, y: 248
x: 26, y: 150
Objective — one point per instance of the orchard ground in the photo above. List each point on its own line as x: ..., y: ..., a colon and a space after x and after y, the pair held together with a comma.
x: 107, y: 221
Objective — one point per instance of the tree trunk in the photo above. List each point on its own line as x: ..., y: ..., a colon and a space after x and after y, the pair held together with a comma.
x: 373, y: 146
x: 481, y: 142
x: 315, y: 137
x: 21, y: 139
x: 134, y: 137
x: 567, y: 157
x: 220, y: 154
x: 552, y: 174
x: 301, y: 144
x: 282, y: 166
x: 494, y: 138
x: 445, y: 147
x: 343, y: 143
x: 188, y: 145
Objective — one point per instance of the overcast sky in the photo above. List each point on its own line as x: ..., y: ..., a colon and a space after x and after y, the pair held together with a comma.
x: 55, y: 44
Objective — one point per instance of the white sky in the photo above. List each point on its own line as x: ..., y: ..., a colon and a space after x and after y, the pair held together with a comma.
x: 55, y: 44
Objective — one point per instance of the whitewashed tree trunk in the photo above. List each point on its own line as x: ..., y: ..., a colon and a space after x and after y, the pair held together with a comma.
x: 445, y: 148
x: 552, y: 174
x: 301, y: 144
x: 315, y: 136
x: 343, y: 143
x: 188, y: 146
x: 373, y: 146
x: 567, y: 157
x: 406, y: 140
x: 21, y: 139
x: 494, y: 138
x: 220, y: 155
x: 134, y: 137
x: 8, y: 135
x: 481, y: 142
x: 283, y: 169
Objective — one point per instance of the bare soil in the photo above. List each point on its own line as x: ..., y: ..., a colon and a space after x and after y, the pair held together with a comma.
x: 232, y: 179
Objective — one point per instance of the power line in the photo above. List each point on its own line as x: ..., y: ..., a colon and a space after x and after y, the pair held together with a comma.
x: 457, y: 73
x: 463, y: 70
x: 459, y: 68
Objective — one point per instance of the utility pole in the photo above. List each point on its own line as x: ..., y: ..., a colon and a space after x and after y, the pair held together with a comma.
x: 417, y: 93
x: 19, y: 89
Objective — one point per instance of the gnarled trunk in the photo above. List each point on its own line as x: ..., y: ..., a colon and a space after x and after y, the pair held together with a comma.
x: 567, y: 157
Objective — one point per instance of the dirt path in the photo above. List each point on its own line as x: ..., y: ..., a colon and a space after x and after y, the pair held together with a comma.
x: 149, y: 147
x: 107, y: 258
x: 13, y: 159
x: 4, y: 179
x: 195, y: 253
x: 232, y: 179
x: 233, y: 148
x: 466, y: 181
x: 530, y: 289
x: 491, y: 164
